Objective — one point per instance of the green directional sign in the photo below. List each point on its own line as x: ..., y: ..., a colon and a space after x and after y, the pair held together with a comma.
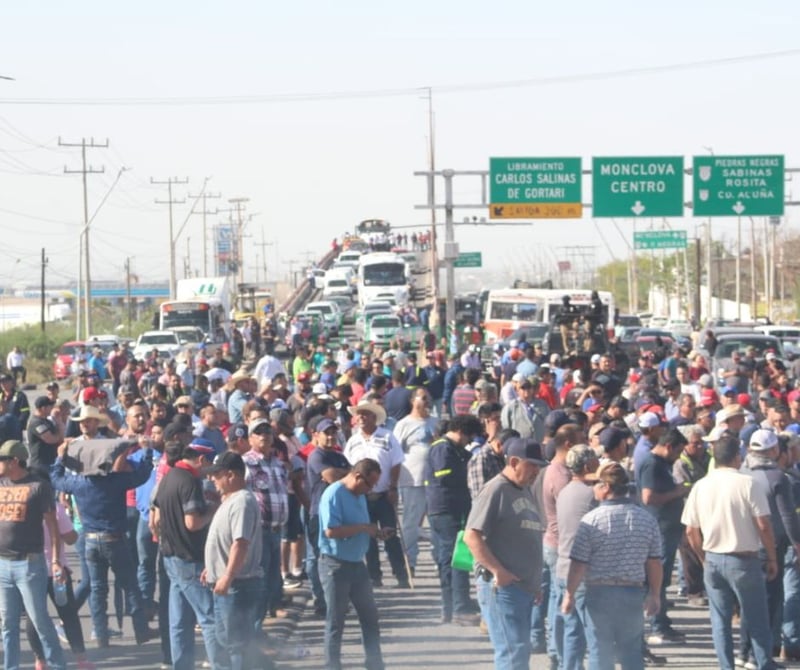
x: 535, y: 188
x: 660, y: 239
x: 469, y: 259
x: 737, y: 186
x: 637, y: 186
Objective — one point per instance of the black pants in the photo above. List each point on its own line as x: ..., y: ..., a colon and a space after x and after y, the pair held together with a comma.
x: 382, y: 513
x: 68, y: 614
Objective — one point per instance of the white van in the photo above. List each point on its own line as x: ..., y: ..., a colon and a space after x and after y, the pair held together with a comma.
x: 350, y: 258
x: 338, y: 281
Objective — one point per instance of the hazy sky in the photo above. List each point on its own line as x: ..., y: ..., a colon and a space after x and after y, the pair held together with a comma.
x: 313, y: 165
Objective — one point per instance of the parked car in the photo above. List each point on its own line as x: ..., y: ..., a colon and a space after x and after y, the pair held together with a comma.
x: 62, y: 365
x: 679, y: 327
x: 331, y: 315
x: 166, y: 341
x: 727, y: 344
x: 370, y: 309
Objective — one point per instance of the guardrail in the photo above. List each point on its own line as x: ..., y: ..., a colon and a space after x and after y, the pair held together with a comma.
x: 302, y: 293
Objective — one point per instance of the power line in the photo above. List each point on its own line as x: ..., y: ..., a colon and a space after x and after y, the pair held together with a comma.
x: 407, y: 91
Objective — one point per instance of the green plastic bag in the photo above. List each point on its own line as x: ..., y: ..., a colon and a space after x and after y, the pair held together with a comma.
x: 462, y: 556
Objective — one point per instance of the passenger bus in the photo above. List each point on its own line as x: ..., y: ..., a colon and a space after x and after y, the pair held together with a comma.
x: 508, y: 309
x: 208, y: 315
x: 382, y: 273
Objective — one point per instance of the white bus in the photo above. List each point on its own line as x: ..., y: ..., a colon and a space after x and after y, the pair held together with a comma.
x: 508, y: 309
x: 380, y: 273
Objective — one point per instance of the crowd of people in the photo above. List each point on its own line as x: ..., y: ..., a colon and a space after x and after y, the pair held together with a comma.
x: 211, y: 491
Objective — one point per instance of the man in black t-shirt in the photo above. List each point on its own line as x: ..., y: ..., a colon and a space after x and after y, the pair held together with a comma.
x: 663, y: 498
x: 26, y: 502
x: 325, y: 465
x: 44, y: 436
x: 182, y: 516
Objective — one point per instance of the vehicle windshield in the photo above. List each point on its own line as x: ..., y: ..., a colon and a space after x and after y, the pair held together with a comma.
x: 385, y: 274
x: 190, y: 336
x: 380, y: 321
x: 334, y: 283
x: 161, y: 338
x: 530, y: 333
x: 513, y: 311
x: 324, y: 309
x: 726, y: 347
x: 67, y: 350
x: 175, y: 319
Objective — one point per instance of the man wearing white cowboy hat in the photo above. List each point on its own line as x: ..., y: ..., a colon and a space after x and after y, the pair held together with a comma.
x: 239, y: 383
x: 92, y: 422
x: 372, y: 440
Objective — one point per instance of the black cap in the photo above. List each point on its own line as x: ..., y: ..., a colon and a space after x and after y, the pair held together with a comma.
x: 236, y: 431
x: 526, y: 449
x: 43, y: 401
x: 228, y: 460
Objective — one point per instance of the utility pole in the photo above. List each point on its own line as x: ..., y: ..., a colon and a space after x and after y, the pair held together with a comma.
x: 87, y: 275
x: 264, y: 244
x: 205, y: 212
x: 238, y: 204
x: 128, y: 290
x: 44, y: 265
x: 170, y: 201
x: 434, y: 316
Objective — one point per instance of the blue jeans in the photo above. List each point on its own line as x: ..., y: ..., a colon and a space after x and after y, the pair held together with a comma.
x: 102, y: 554
x: 507, y: 613
x: 147, y: 551
x: 554, y: 623
x: 190, y: 601
x: 539, y: 613
x: 774, y: 604
x: 234, y: 614
x: 23, y: 586
x: 615, y: 626
x: 312, y: 561
x: 790, y: 629
x: 345, y: 582
x: 270, y: 589
x: 414, y: 507
x: 571, y: 643
x: 730, y: 578
x: 671, y: 539
x: 454, y: 583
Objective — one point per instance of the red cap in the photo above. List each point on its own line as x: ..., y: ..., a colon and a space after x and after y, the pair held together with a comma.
x: 708, y: 397
x: 90, y: 393
x: 793, y: 395
x: 743, y: 399
x: 596, y: 407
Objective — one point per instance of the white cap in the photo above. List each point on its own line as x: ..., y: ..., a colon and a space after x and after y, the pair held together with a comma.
x: 763, y: 440
x: 319, y: 388
x: 649, y: 420
x: 715, y: 434
x: 595, y: 358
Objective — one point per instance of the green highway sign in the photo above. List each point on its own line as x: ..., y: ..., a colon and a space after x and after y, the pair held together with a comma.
x: 535, y: 188
x: 737, y: 185
x: 660, y: 239
x: 637, y: 186
x: 469, y: 259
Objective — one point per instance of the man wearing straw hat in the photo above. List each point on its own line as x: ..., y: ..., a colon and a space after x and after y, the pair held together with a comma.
x: 372, y: 440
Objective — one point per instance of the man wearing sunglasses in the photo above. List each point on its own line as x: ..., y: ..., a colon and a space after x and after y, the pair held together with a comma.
x: 345, y: 531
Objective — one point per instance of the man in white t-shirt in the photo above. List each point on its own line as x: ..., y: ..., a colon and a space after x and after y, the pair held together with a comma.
x: 414, y: 433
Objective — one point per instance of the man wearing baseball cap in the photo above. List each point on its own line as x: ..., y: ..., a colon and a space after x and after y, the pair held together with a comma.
x: 44, y: 436
x: 325, y: 465
x: 663, y: 498
x: 233, y: 560
x: 574, y: 501
x: 651, y: 426
x: 26, y: 505
x: 182, y: 515
x: 761, y: 463
x: 504, y: 533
